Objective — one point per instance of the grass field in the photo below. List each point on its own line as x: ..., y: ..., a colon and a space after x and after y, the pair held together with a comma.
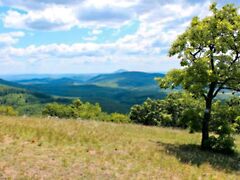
x: 32, y: 148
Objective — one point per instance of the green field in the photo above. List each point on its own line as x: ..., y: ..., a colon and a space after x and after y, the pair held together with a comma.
x: 32, y: 148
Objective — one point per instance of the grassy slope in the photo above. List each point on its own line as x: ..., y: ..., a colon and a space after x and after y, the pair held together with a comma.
x: 34, y: 148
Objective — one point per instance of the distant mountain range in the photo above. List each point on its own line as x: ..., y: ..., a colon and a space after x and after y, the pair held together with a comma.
x: 19, y: 77
x: 116, y: 92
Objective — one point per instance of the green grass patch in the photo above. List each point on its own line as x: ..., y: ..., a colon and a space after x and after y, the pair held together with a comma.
x: 58, y: 149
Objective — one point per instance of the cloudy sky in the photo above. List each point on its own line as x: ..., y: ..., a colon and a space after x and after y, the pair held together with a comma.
x: 86, y: 36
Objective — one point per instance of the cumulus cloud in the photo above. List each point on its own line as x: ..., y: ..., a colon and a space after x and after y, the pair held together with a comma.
x: 52, y: 18
x: 53, y: 14
x: 38, y: 4
x: 159, y: 24
x: 7, y: 39
x: 81, y: 58
x: 70, y: 51
x: 105, y: 14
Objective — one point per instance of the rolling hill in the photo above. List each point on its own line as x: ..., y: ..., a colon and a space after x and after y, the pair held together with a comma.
x: 115, y: 92
x: 23, y: 100
x: 135, y: 80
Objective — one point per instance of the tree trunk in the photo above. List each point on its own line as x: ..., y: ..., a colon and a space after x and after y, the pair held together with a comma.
x: 205, y: 124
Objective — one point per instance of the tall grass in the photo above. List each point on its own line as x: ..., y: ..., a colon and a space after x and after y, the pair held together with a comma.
x: 71, y: 149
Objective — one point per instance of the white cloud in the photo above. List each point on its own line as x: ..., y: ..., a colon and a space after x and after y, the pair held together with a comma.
x: 38, y: 4
x: 111, y: 3
x: 105, y: 14
x: 52, y: 18
x: 96, y: 31
x: 80, y: 58
x: 159, y: 23
x: 58, y: 15
x: 7, y: 39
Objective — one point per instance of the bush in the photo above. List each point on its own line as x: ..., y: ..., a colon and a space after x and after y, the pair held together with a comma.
x: 191, y: 118
x: 30, y: 110
x: 81, y: 110
x: 58, y: 110
x: 224, y: 124
x: 223, y: 144
x: 186, y: 110
x: 117, y: 118
x: 151, y: 112
x: 177, y: 110
x: 85, y: 110
x: 7, y: 111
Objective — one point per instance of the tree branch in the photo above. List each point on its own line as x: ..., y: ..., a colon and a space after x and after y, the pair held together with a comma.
x: 223, y: 83
x: 204, y: 95
x: 196, y: 53
x: 235, y: 48
x: 220, y: 87
x: 213, y: 50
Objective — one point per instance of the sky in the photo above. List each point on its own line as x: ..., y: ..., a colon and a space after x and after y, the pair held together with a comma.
x: 93, y: 36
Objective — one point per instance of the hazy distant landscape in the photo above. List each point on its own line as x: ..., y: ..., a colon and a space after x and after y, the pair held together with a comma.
x: 115, y: 92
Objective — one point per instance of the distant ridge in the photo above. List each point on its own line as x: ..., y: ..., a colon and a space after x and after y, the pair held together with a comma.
x: 9, y: 83
x: 134, y: 79
x: 120, y: 71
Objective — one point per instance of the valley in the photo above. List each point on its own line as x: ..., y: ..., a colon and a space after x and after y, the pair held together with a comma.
x: 115, y: 92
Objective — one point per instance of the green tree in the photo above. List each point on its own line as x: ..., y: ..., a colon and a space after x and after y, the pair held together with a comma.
x: 151, y: 112
x: 209, y: 51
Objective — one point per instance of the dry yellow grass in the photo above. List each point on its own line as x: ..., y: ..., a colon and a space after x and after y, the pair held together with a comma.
x: 32, y: 148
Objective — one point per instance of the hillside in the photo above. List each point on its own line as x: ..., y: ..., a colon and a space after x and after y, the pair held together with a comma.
x: 32, y: 148
x: 9, y: 84
x: 127, y: 79
x: 115, y: 92
x: 23, y: 100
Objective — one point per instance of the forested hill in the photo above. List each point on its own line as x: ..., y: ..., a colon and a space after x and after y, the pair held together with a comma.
x: 10, y: 84
x: 127, y: 79
x: 116, y: 92
x: 23, y: 100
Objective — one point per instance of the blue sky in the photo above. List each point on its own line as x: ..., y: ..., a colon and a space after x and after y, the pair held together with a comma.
x: 93, y: 36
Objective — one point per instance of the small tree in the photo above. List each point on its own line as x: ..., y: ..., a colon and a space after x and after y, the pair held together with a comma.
x: 209, y: 51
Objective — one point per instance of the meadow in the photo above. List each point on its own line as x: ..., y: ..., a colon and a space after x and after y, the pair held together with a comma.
x: 34, y: 148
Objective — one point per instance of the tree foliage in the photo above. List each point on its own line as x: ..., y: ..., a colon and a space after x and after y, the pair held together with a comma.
x: 176, y: 110
x: 209, y: 51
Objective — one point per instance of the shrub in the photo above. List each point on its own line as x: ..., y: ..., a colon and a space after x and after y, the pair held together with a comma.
x: 58, y: 110
x: 177, y: 110
x: 223, y: 144
x: 191, y: 118
x: 185, y: 110
x: 8, y: 111
x: 224, y: 124
x: 151, y: 112
x: 81, y: 110
x: 117, y: 117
